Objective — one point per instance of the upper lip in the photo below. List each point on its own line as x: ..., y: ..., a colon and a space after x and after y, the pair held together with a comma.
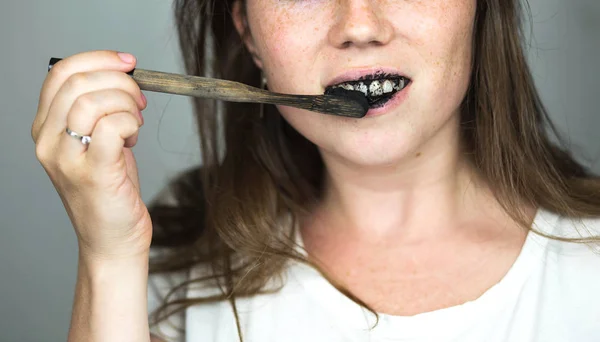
x: 355, y: 74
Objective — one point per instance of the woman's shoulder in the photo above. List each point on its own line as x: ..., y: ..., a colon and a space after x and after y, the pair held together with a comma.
x: 569, y: 228
x: 570, y: 260
x: 210, y: 321
x: 178, y: 287
x: 175, y: 211
x: 162, y: 287
x: 563, y: 235
x: 568, y: 272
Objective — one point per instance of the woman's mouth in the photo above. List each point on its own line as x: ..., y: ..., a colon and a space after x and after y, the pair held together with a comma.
x: 378, y: 89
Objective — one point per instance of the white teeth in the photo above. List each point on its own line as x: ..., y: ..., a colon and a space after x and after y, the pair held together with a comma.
x: 388, y: 86
x: 375, y: 88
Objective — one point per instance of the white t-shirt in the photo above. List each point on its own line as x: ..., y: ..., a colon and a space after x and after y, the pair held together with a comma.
x: 550, y: 294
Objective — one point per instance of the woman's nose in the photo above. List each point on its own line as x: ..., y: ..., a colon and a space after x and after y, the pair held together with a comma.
x: 360, y: 23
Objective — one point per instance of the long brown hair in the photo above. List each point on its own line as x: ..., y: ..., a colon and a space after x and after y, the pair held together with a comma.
x: 257, y: 169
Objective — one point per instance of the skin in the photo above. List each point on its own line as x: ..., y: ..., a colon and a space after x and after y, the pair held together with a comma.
x: 406, y: 223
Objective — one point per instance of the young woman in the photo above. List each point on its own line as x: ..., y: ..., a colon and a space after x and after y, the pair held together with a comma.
x: 446, y: 214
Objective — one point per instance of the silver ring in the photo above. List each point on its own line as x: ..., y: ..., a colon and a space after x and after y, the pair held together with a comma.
x: 85, y: 139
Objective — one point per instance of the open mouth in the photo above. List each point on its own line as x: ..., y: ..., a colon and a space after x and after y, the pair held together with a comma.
x: 377, y: 88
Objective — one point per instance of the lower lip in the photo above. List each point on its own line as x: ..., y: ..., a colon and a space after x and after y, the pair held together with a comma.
x: 394, y: 102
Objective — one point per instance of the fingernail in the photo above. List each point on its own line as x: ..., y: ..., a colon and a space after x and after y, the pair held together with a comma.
x: 126, y: 57
x: 144, y: 99
x: 141, y: 117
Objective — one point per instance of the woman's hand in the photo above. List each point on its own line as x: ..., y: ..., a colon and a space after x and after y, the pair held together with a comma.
x: 91, y: 94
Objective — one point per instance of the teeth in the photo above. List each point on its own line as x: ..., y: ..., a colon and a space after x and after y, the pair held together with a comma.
x: 388, y: 86
x: 375, y: 88
x: 401, y: 84
x: 362, y: 88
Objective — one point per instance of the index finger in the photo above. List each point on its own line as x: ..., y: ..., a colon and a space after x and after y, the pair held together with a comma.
x: 82, y: 62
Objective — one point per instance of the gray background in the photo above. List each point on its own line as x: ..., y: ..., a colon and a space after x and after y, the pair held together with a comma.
x: 37, y: 246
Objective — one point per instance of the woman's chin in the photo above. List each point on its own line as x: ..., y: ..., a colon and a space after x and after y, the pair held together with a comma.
x: 369, y: 156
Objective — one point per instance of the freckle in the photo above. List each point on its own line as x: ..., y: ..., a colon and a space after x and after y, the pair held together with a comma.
x: 418, y: 154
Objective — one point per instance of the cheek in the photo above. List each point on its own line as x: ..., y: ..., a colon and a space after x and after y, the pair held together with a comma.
x: 445, y: 38
x: 287, y: 38
x: 454, y: 34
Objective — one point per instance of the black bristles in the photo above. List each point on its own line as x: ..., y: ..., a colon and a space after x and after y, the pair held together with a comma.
x: 353, y: 95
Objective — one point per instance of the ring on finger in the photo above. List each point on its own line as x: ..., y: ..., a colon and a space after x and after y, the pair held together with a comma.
x: 85, y: 139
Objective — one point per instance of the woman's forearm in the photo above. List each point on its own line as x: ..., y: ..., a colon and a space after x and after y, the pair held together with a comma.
x: 111, y: 301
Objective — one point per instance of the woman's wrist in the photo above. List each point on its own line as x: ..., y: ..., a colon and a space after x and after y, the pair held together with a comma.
x: 111, y: 299
x: 99, y: 269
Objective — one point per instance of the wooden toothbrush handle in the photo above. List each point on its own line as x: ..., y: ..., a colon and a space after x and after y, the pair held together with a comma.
x: 215, y: 88
x: 164, y: 82
x: 197, y: 86
x: 238, y: 92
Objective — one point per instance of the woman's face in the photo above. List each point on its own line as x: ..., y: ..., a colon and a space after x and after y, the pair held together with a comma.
x: 304, y: 46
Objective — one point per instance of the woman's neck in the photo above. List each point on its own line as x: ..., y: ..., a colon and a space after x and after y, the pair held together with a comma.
x: 427, y: 194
